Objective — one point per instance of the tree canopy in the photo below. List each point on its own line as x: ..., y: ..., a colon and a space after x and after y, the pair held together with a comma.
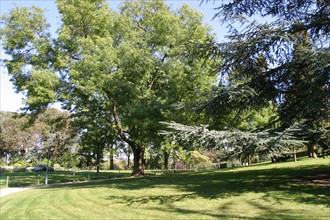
x: 23, y: 141
x: 276, y: 57
x: 131, y: 66
x: 284, y: 60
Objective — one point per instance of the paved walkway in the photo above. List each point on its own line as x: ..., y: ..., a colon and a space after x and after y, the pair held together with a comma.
x: 11, y: 190
x: 8, y: 191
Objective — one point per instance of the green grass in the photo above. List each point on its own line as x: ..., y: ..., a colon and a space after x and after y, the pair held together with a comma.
x: 18, y: 179
x: 265, y: 191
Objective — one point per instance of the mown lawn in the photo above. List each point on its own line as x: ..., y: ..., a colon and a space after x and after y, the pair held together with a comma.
x: 268, y: 191
x: 29, y: 178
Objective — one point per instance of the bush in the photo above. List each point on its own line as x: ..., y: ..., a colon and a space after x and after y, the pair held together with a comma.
x: 199, y: 161
x: 45, y: 162
x: 21, y: 165
x: 57, y: 167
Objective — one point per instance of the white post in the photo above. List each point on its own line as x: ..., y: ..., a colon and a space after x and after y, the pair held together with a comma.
x: 46, y: 180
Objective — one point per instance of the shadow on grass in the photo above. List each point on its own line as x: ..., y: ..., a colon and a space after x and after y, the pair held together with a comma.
x: 275, y: 183
x: 160, y: 199
x: 275, y: 186
x: 266, y: 213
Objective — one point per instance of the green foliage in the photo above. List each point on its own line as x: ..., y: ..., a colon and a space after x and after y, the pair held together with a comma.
x: 283, y: 61
x: 123, y: 71
x: 26, y: 39
x: 68, y: 159
x: 274, y: 74
x: 11, y: 133
x: 198, y: 160
x: 41, y: 88
x: 237, y: 143
x: 21, y: 164
x: 45, y: 161
x: 21, y: 140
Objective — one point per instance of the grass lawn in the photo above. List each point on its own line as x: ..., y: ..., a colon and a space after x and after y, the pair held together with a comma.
x: 267, y: 191
x: 18, y: 179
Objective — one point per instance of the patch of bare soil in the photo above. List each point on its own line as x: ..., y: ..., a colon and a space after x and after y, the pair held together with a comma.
x: 322, y: 179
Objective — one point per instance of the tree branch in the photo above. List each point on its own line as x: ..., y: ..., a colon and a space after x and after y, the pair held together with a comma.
x: 120, y: 128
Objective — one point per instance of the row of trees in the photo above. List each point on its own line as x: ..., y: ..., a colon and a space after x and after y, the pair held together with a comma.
x: 122, y: 72
x: 53, y: 136
x: 22, y: 142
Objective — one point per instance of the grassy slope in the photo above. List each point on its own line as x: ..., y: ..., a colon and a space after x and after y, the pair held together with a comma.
x: 265, y: 191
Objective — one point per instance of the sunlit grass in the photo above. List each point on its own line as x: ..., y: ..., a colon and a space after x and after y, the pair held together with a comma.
x: 257, y: 192
x: 18, y: 179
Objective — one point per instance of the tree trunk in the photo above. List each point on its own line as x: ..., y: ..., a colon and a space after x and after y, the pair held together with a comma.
x: 295, y: 154
x: 311, y: 150
x: 98, y: 163
x: 138, y: 151
x: 99, y: 156
x: 166, y: 157
x: 112, y: 167
x: 128, y: 160
x: 139, y: 161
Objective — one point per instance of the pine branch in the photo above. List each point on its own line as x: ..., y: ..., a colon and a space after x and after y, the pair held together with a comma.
x: 264, y: 142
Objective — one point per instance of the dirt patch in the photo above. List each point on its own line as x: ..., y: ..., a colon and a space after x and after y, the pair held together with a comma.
x: 322, y: 179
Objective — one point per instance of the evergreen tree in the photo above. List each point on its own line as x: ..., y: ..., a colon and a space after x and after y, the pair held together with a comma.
x: 284, y: 61
x: 282, y: 64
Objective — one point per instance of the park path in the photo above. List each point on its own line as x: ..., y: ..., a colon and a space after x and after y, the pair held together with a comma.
x: 11, y: 190
x: 8, y: 191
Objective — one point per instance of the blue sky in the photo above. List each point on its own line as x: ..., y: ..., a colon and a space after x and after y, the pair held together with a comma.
x: 11, y: 101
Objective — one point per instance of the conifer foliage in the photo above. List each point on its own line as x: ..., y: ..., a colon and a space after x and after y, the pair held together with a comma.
x: 277, y: 52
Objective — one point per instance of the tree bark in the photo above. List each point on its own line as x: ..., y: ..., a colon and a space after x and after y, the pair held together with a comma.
x: 139, y: 161
x: 295, y: 154
x: 129, y: 160
x: 99, y: 156
x: 166, y: 157
x: 98, y: 163
x: 311, y: 150
x: 112, y: 167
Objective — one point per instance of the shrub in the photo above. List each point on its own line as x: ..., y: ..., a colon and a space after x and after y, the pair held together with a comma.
x: 45, y: 162
x: 21, y: 165
x: 57, y: 166
x: 199, y: 161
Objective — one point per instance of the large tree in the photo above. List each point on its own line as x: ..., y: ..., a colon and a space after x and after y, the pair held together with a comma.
x: 276, y: 57
x: 284, y: 61
x: 135, y: 63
